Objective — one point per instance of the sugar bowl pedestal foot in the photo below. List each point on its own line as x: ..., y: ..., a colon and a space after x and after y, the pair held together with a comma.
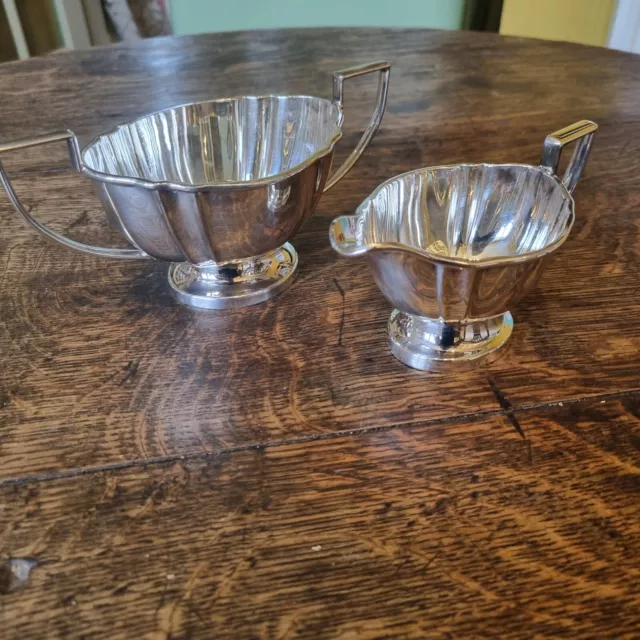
x: 204, y: 185
x: 237, y: 283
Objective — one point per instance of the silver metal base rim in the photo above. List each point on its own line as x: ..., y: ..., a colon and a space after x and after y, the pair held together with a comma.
x: 204, y: 293
x: 409, y: 346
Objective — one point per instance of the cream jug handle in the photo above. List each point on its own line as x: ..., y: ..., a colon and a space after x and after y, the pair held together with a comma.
x: 74, y: 154
x: 338, y: 96
x: 582, y: 132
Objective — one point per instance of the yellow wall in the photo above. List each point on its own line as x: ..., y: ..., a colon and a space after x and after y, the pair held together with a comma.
x: 584, y: 21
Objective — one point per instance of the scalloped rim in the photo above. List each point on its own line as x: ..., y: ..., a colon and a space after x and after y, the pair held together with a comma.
x: 178, y: 186
x: 465, y: 262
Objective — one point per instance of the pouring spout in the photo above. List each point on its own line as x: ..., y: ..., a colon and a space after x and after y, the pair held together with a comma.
x: 345, y: 235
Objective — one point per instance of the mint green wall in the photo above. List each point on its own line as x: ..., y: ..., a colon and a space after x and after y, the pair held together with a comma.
x: 198, y: 16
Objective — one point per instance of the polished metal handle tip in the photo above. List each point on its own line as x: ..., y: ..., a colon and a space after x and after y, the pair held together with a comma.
x: 344, y: 234
x: 581, y: 132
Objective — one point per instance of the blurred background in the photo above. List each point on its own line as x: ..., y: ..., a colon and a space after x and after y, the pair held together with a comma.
x: 37, y: 27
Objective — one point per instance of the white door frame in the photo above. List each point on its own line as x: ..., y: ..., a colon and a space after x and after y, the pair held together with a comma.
x: 15, y: 26
x: 625, y: 28
x: 73, y: 24
x: 71, y: 20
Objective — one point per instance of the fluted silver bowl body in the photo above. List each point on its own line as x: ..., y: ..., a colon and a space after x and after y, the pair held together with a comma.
x: 217, y: 188
x: 460, y: 242
x: 216, y: 181
x: 453, y: 247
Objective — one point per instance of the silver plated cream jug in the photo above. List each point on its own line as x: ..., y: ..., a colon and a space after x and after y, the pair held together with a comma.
x: 216, y: 188
x: 454, y: 247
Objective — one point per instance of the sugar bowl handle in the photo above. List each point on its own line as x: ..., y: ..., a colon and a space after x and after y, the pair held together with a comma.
x: 338, y: 97
x: 582, y: 132
x: 74, y: 155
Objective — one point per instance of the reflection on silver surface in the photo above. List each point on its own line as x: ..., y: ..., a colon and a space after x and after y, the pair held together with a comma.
x: 229, y: 285
x: 474, y: 213
x: 220, y: 185
x: 452, y: 248
x: 241, y: 140
x: 416, y: 340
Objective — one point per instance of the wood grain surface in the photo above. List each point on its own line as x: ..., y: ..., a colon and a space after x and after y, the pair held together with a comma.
x: 464, y: 529
x: 128, y: 422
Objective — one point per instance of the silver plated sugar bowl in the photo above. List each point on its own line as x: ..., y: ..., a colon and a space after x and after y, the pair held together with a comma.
x: 216, y: 188
x: 454, y: 247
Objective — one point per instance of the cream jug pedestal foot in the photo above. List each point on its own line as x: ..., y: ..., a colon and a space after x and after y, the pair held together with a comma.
x: 431, y: 345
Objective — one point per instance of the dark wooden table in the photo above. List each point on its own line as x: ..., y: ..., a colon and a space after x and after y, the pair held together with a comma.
x: 273, y: 472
